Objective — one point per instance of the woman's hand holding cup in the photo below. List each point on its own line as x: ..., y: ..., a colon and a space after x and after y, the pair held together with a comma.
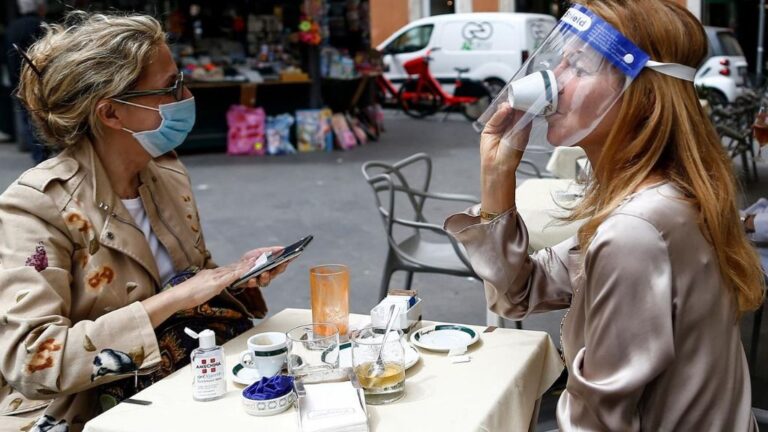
x: 499, y: 159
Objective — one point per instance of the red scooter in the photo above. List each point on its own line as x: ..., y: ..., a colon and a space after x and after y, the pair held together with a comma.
x: 423, y: 96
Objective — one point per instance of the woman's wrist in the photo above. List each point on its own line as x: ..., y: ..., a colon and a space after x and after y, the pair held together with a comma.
x: 497, y: 197
x: 161, y: 306
x: 182, y: 295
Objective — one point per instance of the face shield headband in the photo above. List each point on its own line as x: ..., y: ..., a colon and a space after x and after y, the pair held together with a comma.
x: 563, y: 91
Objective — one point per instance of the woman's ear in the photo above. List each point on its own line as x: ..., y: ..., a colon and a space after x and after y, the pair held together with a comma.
x: 108, y: 115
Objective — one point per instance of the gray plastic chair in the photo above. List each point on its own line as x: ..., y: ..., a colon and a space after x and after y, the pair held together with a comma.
x: 401, y: 207
x: 415, y: 244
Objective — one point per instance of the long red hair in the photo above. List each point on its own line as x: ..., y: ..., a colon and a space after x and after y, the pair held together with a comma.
x: 662, y: 130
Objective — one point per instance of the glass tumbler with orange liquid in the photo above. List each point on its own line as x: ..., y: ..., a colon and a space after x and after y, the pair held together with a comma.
x: 329, y: 293
x: 760, y: 126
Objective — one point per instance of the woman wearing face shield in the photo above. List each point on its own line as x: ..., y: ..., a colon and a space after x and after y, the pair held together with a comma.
x: 661, y: 271
x: 102, y: 258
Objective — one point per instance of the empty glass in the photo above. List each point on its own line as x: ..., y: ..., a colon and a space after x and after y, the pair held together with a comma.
x: 312, y: 348
x: 388, y: 385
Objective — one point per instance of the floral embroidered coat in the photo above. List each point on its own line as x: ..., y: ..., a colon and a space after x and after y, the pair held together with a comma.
x: 73, y: 269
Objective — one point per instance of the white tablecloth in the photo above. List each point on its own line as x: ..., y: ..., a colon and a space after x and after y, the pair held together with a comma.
x: 535, y: 200
x: 496, y: 391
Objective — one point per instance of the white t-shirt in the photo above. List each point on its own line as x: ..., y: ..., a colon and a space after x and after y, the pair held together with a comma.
x: 162, y: 257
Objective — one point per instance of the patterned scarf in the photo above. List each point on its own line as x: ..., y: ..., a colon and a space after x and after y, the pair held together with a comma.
x: 216, y: 314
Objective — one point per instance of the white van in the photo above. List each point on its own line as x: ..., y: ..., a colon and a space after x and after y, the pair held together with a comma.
x: 493, y: 45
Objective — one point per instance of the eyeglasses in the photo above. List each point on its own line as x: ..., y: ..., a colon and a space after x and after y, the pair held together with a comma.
x: 584, y: 61
x: 177, y: 90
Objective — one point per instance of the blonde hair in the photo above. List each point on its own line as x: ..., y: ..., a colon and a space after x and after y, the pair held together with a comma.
x: 662, y: 129
x: 87, y: 58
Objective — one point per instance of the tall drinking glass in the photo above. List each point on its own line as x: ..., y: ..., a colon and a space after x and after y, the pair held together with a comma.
x: 312, y: 348
x: 329, y: 292
x: 760, y: 127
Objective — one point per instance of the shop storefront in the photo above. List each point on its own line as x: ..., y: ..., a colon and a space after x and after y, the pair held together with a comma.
x: 281, y: 56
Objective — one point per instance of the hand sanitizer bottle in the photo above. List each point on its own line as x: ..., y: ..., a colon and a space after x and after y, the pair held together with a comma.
x: 208, y: 369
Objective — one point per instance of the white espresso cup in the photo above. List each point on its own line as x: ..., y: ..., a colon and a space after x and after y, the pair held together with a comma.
x: 266, y: 353
x: 536, y: 93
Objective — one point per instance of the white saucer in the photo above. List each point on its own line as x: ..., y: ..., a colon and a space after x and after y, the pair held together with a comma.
x: 245, y: 376
x: 412, y: 356
x: 444, y: 337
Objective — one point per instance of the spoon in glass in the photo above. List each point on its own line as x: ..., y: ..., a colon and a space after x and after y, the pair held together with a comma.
x: 377, y: 367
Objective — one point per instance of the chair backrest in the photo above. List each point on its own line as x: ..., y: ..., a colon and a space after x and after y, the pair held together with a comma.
x: 392, y: 185
x: 386, y: 179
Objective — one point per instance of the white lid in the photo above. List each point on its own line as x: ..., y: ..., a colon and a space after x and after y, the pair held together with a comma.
x: 207, y: 337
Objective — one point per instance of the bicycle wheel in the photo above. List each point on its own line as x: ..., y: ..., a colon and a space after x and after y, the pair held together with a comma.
x: 418, y: 104
x: 473, y: 111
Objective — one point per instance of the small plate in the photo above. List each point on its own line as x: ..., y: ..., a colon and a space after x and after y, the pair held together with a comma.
x: 345, y: 355
x: 444, y: 337
x: 245, y: 376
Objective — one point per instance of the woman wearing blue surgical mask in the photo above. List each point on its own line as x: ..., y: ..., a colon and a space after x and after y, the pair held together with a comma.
x: 102, y: 257
x: 660, y: 272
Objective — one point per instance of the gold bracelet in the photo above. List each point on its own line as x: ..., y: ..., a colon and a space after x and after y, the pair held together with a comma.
x: 488, y: 216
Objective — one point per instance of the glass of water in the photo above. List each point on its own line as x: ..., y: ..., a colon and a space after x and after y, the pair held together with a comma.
x: 385, y: 384
x: 313, y: 348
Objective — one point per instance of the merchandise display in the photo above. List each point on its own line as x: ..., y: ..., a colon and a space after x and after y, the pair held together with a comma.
x: 244, y: 61
x: 313, y: 130
x: 279, y: 135
x: 246, y: 131
x: 345, y: 138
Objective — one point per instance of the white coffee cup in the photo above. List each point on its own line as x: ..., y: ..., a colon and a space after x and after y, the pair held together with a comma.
x: 266, y: 353
x: 536, y: 93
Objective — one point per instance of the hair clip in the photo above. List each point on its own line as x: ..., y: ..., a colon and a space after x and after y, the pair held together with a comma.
x: 28, y: 60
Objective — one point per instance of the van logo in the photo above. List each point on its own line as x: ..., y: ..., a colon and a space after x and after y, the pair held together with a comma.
x: 477, y: 31
x: 577, y: 19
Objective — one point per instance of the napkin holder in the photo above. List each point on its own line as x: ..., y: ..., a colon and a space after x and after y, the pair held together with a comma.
x: 406, y: 320
x: 329, y: 376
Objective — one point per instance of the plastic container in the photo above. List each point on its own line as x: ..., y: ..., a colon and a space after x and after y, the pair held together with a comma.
x: 208, y: 367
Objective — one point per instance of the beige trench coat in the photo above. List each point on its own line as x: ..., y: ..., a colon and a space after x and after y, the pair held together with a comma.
x: 73, y: 268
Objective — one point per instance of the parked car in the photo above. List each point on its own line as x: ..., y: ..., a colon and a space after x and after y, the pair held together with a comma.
x: 493, y: 45
x: 724, y: 72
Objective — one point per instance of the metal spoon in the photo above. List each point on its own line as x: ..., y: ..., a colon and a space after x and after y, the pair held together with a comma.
x: 377, y: 367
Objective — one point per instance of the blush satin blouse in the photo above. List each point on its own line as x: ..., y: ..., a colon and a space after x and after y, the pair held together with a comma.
x: 651, y: 340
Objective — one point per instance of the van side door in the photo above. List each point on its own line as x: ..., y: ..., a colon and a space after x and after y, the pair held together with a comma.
x: 537, y: 31
x: 489, y: 48
x: 410, y: 44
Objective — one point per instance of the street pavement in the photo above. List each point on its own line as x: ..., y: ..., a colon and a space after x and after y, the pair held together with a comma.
x: 248, y: 202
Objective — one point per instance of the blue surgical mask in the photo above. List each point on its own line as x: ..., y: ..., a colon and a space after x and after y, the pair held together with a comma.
x: 178, y: 119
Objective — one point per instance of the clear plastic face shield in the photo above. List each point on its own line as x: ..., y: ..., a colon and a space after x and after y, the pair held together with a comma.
x: 568, y: 86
